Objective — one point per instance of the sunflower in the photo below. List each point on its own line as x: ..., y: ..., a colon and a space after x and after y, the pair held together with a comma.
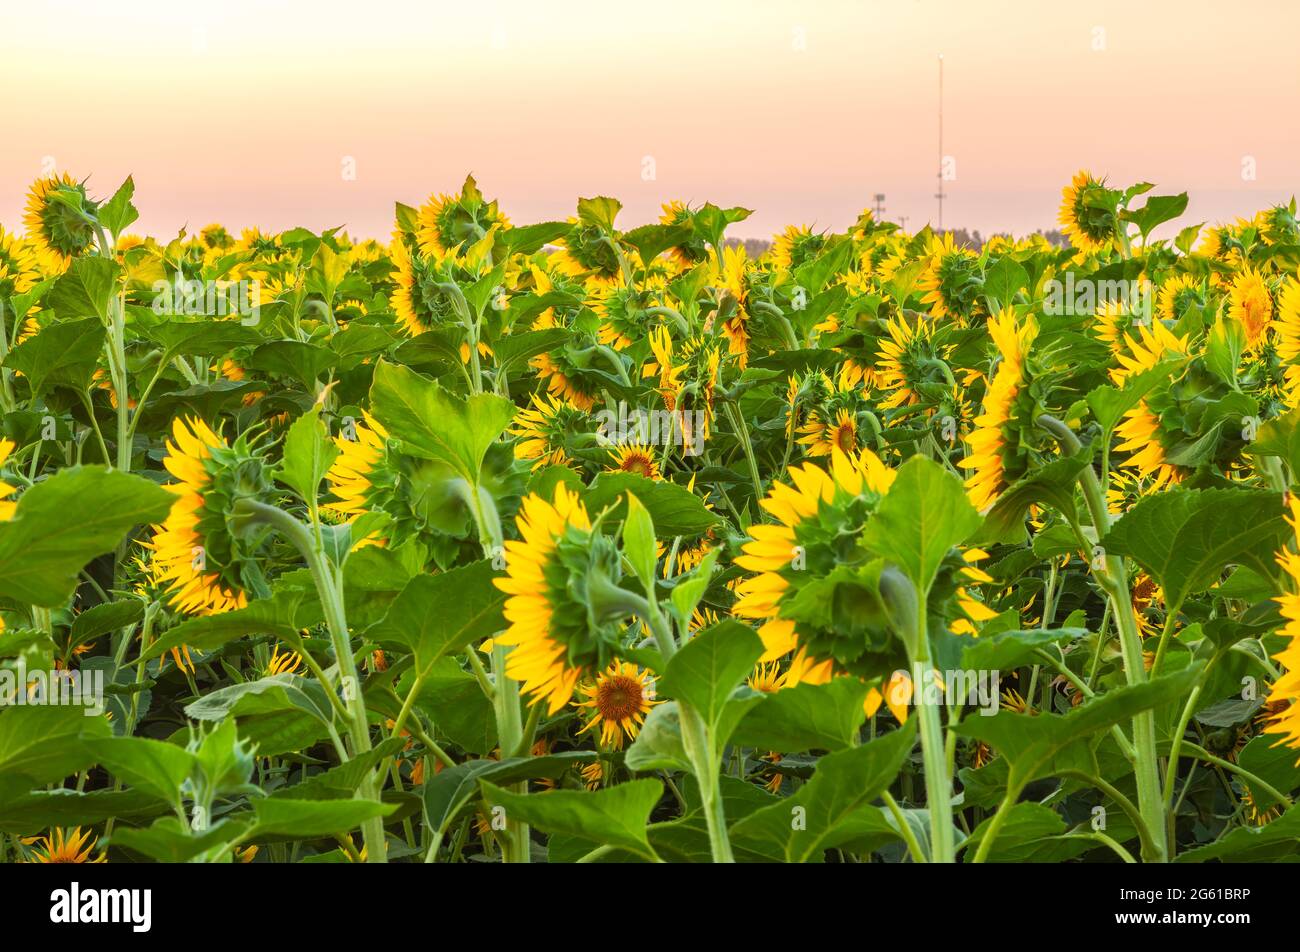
x: 1088, y: 213
x: 448, y: 223
x: 66, y: 846
x: 906, y: 357
x: 543, y: 430
x: 1284, y: 697
x: 637, y: 458
x: 564, y: 612
x: 1177, y: 295
x: 283, y: 662
x: 622, y: 318
x: 794, y: 246
x: 60, y: 219
x: 618, y: 701
x: 731, y: 278
x: 767, y: 678
x: 818, y: 515
x: 181, y: 551
x: 823, y: 436
x: 951, y: 280
x: 1287, y: 327
x: 351, y: 474
x: 991, y: 443
x: 691, y: 251
x: 1140, y: 428
x: 1251, y: 305
x: 563, y: 379
x: 20, y: 267
x: 7, y: 505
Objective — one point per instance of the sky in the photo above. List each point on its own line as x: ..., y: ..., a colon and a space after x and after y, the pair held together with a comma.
x: 283, y: 113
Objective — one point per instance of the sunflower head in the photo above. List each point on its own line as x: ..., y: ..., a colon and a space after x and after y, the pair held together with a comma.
x: 1250, y: 305
x: 566, y: 611
x: 795, y: 246
x: 65, y: 846
x: 60, y: 219
x: 203, y: 559
x: 20, y: 266
x: 951, y: 281
x: 636, y: 458
x: 449, y: 223
x: 815, y: 590
x: 1089, y: 213
x: 617, y: 702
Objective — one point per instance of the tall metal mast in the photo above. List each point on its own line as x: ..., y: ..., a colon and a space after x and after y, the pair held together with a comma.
x: 940, y: 194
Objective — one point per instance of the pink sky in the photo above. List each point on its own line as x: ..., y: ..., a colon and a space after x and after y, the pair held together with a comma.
x: 246, y: 112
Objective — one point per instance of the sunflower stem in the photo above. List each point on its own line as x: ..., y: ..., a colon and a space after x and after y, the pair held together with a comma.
x: 1114, y: 581
x: 328, y: 588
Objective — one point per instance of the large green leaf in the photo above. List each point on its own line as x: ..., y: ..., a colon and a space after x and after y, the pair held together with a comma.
x: 1035, y: 745
x: 439, y: 614
x: 707, y: 670
x: 153, y: 766
x: 65, y: 353
x: 86, y: 288
x: 43, y: 744
x: 675, y: 510
x: 613, y: 816
x: 833, y: 807
x: 1185, y: 538
x: 806, y: 717
x: 308, y: 455
x: 924, y: 514
x: 283, y: 615
x: 434, y: 423
x: 67, y: 520
x: 304, y: 819
x: 448, y: 792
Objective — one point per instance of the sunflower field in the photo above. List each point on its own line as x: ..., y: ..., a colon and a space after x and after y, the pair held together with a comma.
x: 561, y: 542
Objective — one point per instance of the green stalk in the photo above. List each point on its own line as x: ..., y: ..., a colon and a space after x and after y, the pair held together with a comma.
x: 329, y: 589
x: 1115, y: 583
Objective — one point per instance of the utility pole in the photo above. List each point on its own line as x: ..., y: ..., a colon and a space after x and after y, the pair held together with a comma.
x: 880, y: 205
x: 939, y: 194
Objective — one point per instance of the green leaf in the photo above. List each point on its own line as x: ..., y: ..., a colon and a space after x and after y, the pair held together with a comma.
x: 44, y: 744
x: 806, y: 717
x: 710, y: 666
x: 450, y: 789
x: 101, y: 619
x: 659, y: 744
x: 612, y: 816
x: 1246, y: 844
x: 1157, y: 210
x: 283, y: 615
x: 1274, y: 763
x: 64, y: 522
x: 168, y: 841
x: 435, y: 615
x: 86, y: 288
x: 308, y: 819
x: 301, y: 361
x: 153, y: 766
x: 65, y: 354
x: 1002, y: 281
x: 1052, y: 485
x: 43, y: 809
x: 117, y: 214
x: 1032, y: 743
x: 675, y: 510
x: 1109, y: 404
x: 1023, y: 824
x: 275, y: 694
x: 924, y: 514
x: 308, y: 454
x: 341, y: 782
x: 1185, y: 538
x: 639, y: 542
x: 435, y: 424
x: 1011, y: 649
x: 834, y: 806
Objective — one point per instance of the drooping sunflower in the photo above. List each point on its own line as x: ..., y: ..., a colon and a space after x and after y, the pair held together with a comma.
x: 447, y: 223
x: 621, y: 314
x: 907, y: 358
x: 818, y: 514
x: 951, y: 280
x: 618, y: 702
x: 794, y: 246
x: 692, y: 250
x: 1177, y: 295
x: 1250, y: 304
x: 60, y: 219
x: 351, y: 475
x: 1140, y: 428
x: 1284, y: 696
x: 7, y: 489
x: 66, y: 846
x: 544, y: 429
x: 566, y: 620
x: 1087, y: 214
x: 733, y: 279
x: 989, y: 443
x: 186, y: 561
